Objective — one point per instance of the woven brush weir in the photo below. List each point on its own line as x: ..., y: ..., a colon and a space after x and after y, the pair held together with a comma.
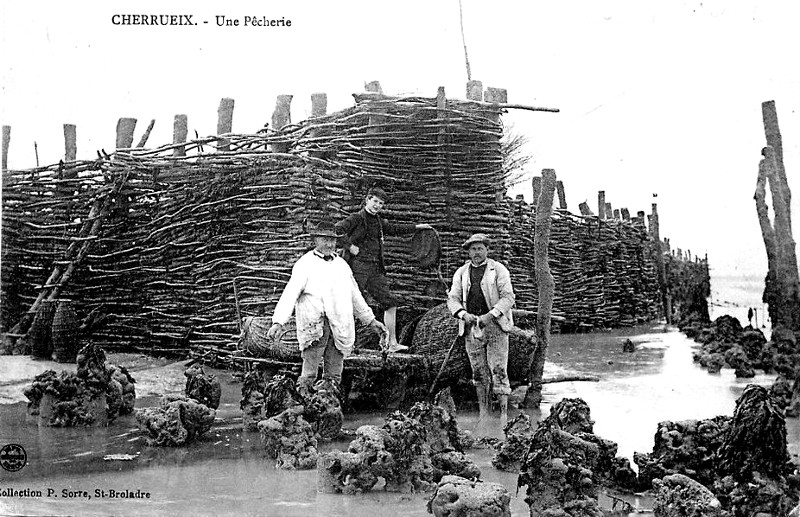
x: 435, y: 333
x: 41, y: 333
x: 65, y: 333
x: 254, y: 341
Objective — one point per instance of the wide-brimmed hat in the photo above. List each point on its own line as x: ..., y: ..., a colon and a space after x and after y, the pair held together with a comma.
x: 477, y: 237
x: 323, y: 229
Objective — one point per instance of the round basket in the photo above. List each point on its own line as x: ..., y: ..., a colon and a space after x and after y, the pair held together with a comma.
x: 254, y: 341
x: 65, y: 333
x: 435, y: 333
x: 426, y: 247
x: 41, y: 333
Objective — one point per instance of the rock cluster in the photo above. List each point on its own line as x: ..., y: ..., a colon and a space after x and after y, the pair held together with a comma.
x: 724, y: 466
x: 566, y: 462
x: 95, y: 394
x: 410, y: 452
x: 202, y: 387
x: 459, y: 497
x: 177, y: 420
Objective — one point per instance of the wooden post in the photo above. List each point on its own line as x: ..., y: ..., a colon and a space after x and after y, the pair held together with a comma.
x: 562, y: 197
x: 225, y: 122
x: 536, y: 183
x: 584, y: 208
x: 474, y: 90
x: 319, y: 104
x: 180, y: 130
x: 447, y: 159
x: 125, y: 128
x: 617, y: 215
x: 626, y: 216
x: 373, y: 86
x: 281, y: 117
x: 662, y: 274
x: 544, y: 280
x: 642, y: 218
x: 146, y: 134
x: 498, y: 95
x: 6, y: 142
x: 70, y: 143
x: 601, y: 204
x: 608, y: 212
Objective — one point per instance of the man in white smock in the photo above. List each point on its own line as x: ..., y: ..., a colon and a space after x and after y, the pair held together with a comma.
x: 325, y: 299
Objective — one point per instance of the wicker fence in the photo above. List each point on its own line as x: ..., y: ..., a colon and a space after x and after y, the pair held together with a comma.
x: 162, y: 251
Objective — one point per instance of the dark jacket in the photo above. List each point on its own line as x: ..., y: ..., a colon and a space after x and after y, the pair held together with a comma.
x: 354, y: 231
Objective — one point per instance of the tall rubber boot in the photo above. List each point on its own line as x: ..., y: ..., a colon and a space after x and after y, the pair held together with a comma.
x: 503, y: 399
x: 484, y: 408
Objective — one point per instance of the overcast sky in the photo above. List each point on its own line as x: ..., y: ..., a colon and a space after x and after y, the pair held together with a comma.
x: 655, y: 97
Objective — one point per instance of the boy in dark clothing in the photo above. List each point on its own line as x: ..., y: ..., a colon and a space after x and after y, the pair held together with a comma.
x: 362, y: 238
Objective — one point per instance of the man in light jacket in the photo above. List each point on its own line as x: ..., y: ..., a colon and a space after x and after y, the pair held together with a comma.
x: 481, y: 298
x: 325, y: 299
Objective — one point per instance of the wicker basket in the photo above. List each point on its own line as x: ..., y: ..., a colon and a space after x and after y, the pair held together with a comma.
x: 41, y: 333
x: 254, y: 341
x: 435, y: 333
x: 65, y: 333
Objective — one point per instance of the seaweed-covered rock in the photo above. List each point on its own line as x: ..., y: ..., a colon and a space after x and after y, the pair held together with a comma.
x: 628, y: 346
x: 519, y: 433
x: 252, y: 402
x: 441, y: 427
x: 610, y: 469
x: 556, y: 473
x: 92, y: 369
x: 713, y: 362
x: 759, y: 496
x: 781, y: 391
x: 572, y: 416
x: 289, y: 439
x: 202, y: 387
x: 176, y: 421
x: 757, y: 438
x: 408, y: 446
x: 126, y: 382
x: 688, y: 447
x: 360, y: 468
x: 444, y: 399
x: 680, y: 496
x: 324, y: 410
x: 459, y: 497
x: 737, y: 359
x: 280, y: 394
x: 66, y: 400
x: 454, y: 463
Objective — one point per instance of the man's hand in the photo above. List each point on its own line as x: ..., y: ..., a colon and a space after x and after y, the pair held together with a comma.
x: 380, y: 329
x: 469, y: 319
x: 273, y: 331
x: 424, y: 226
x: 354, y: 250
x: 484, y: 319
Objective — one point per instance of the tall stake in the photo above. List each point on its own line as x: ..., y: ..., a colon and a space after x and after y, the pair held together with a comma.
x: 544, y: 279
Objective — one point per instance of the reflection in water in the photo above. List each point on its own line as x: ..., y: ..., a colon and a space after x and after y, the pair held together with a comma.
x: 225, y: 472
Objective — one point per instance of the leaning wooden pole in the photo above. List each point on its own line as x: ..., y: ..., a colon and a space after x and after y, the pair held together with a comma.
x: 785, y: 309
x: 544, y: 279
